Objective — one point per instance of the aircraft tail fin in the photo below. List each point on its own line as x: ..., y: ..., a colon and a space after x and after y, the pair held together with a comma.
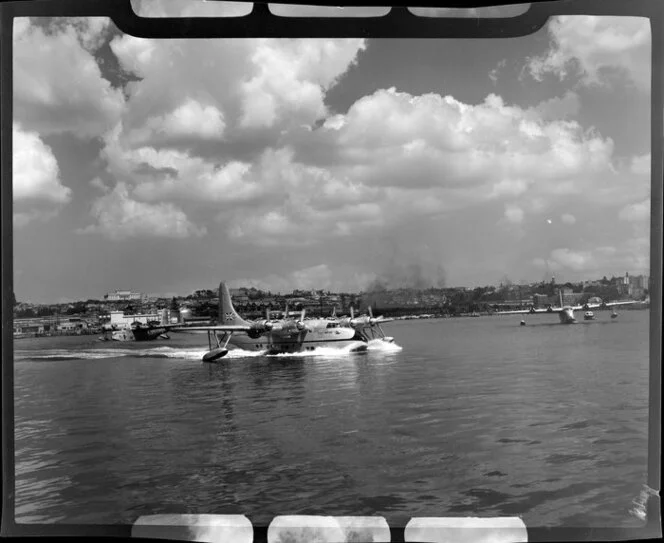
x: 227, y: 313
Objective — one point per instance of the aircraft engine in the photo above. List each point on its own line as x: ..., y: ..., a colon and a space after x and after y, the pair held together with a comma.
x: 373, y: 320
x: 255, y: 333
x: 259, y: 328
x: 300, y: 324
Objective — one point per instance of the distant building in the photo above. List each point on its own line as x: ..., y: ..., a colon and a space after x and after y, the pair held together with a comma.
x: 29, y: 326
x: 637, y: 286
x: 123, y: 295
x: 120, y: 320
x: 161, y: 316
x: 540, y: 300
x: 570, y: 297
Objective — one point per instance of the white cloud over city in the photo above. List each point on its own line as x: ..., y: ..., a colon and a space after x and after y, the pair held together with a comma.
x: 236, y: 146
x: 596, y: 48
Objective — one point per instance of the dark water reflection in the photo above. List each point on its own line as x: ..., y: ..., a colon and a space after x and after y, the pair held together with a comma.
x: 472, y: 417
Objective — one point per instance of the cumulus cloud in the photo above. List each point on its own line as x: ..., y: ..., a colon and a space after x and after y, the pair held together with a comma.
x: 293, y: 76
x: 240, y: 128
x: 489, y: 11
x: 189, y: 8
x: 22, y: 218
x: 272, y: 84
x: 36, y: 174
x: 433, y: 141
x: 319, y: 276
x: 493, y: 74
x: 514, y: 214
x: 58, y: 85
x: 631, y: 254
x: 119, y: 217
x: 246, y: 93
x: 636, y: 212
x: 91, y: 31
x: 595, y: 47
x: 312, y: 277
x: 174, y: 174
x: 99, y: 184
x: 190, y: 119
x: 559, y: 108
x: 640, y: 165
x: 38, y: 192
x: 575, y: 260
x: 391, y: 157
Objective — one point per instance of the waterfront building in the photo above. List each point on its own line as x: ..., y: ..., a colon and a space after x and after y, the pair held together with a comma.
x: 540, y: 300
x: 570, y: 297
x: 120, y: 320
x: 161, y: 316
x: 123, y: 296
x: 38, y: 326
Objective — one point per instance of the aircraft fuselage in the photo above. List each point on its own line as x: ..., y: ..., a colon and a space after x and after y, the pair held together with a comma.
x: 566, y: 315
x: 138, y: 334
x: 315, y: 335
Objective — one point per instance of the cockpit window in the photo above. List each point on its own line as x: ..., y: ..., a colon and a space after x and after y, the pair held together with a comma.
x: 332, y: 325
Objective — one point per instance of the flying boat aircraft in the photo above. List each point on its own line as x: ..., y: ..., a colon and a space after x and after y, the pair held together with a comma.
x: 366, y: 322
x: 138, y: 331
x: 566, y: 312
x: 284, y: 335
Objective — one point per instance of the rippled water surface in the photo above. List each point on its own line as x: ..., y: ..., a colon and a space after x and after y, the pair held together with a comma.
x: 470, y: 417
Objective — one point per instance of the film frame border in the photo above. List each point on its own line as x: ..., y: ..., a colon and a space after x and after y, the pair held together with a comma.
x: 398, y: 23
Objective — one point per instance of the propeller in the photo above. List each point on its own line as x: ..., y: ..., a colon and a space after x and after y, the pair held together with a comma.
x: 356, y: 322
x: 258, y: 327
x: 375, y: 320
x: 372, y: 321
x: 300, y: 323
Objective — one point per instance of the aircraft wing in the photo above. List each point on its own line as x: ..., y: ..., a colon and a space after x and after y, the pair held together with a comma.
x: 610, y: 304
x: 528, y: 311
x: 218, y: 328
x: 167, y: 326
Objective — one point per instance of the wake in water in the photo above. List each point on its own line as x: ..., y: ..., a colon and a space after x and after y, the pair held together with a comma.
x: 383, y: 346
x: 98, y: 354
x: 53, y: 355
x: 375, y: 345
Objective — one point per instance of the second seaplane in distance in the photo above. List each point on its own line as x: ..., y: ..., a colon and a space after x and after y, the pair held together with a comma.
x: 288, y: 334
x: 565, y: 312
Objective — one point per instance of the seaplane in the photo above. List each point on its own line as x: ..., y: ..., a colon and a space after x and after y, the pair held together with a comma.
x: 364, y: 323
x: 290, y: 334
x: 138, y: 331
x: 566, y: 312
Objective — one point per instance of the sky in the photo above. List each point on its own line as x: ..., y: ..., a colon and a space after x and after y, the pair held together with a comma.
x: 166, y: 166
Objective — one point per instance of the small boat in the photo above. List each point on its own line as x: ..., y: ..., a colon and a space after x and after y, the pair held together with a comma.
x: 523, y: 322
x: 614, y: 315
x: 589, y: 316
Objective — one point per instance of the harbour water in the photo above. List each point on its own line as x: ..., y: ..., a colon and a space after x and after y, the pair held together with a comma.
x: 478, y: 417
